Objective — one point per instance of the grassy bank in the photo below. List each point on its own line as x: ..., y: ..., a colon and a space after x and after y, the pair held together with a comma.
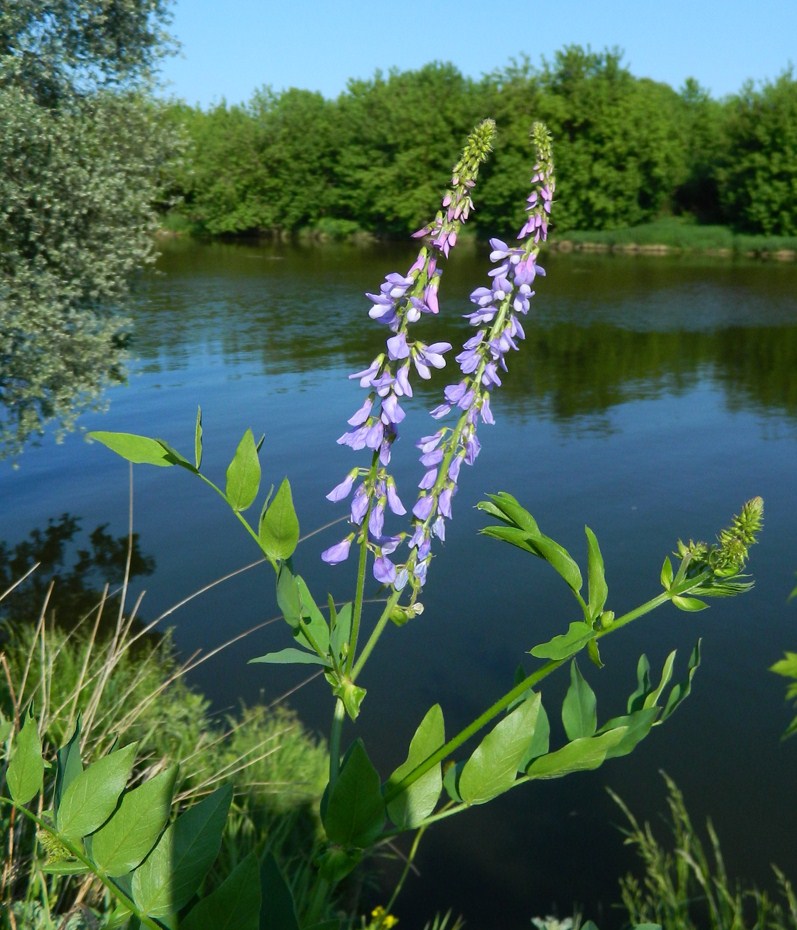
x: 674, y: 235
x: 667, y: 236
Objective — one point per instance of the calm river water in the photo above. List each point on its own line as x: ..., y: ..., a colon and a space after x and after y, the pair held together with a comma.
x: 651, y: 398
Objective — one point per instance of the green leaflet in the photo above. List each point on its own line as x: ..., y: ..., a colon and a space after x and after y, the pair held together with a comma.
x: 681, y: 691
x: 91, y: 797
x: 579, y: 708
x: 596, y: 577
x: 341, y: 630
x: 301, y: 611
x: 566, y: 644
x: 25, y: 773
x: 68, y: 764
x: 123, y: 842
x: 636, y: 726
x: 415, y: 803
x: 243, y: 474
x: 578, y: 756
x: 522, y: 531
x: 355, y: 810
x: 279, y: 912
x: 291, y: 656
x: 198, y: 439
x: 234, y: 905
x: 505, y: 507
x: 141, y: 450
x: 279, y: 526
x: 492, y: 768
x: 169, y: 877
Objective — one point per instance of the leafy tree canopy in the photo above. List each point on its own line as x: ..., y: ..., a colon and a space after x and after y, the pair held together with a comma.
x: 52, y: 47
x: 81, y: 155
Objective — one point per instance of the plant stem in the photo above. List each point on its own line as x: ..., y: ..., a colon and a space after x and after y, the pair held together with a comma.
x: 334, y: 741
x: 374, y: 637
x: 407, y: 866
x: 357, y: 607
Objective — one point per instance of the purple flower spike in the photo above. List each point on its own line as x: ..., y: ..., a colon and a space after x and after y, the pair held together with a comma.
x: 337, y: 553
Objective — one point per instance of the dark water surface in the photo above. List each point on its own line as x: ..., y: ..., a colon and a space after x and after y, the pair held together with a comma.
x: 652, y: 397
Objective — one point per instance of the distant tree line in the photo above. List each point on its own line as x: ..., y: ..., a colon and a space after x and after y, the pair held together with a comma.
x: 628, y: 150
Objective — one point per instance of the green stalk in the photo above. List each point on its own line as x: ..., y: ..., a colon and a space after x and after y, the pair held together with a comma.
x: 244, y: 522
x: 406, y: 870
x: 381, y: 623
x: 357, y: 607
x: 76, y: 853
x: 335, y: 734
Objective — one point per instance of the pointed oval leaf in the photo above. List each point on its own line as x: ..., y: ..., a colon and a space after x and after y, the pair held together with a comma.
x: 355, y: 811
x: 581, y: 755
x: 506, y: 507
x: 243, y: 474
x: 91, y: 798
x: 493, y: 767
x: 198, y: 439
x: 636, y: 700
x: 141, y: 450
x: 680, y: 692
x: 560, y: 560
x: 415, y: 803
x: 596, y: 576
x: 234, y: 905
x: 279, y: 526
x: 579, y: 708
x: 636, y: 725
x: 565, y: 644
x: 68, y: 764
x: 291, y: 656
x: 124, y: 841
x: 688, y: 603
x: 169, y: 877
x: 279, y: 912
x: 666, y: 573
x: 25, y: 773
x: 339, y: 636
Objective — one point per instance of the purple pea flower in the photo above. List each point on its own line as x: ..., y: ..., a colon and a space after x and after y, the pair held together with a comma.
x: 339, y: 552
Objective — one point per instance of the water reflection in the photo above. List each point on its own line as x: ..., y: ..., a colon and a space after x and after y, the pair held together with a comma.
x: 72, y: 571
x: 603, y: 333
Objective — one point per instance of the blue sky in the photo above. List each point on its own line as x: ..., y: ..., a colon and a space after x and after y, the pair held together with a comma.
x: 232, y: 47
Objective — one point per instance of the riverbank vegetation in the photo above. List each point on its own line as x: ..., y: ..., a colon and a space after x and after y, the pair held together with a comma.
x: 631, y: 152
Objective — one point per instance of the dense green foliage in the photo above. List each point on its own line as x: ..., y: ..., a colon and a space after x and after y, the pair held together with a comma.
x: 629, y: 151
x: 81, y: 151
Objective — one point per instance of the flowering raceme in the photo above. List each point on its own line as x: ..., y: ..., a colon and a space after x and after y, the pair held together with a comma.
x: 497, y: 318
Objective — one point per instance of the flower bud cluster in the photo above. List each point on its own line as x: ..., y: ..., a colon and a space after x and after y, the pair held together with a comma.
x: 401, y: 301
x: 728, y: 556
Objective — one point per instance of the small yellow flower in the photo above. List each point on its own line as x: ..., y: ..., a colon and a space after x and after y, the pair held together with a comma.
x: 382, y: 920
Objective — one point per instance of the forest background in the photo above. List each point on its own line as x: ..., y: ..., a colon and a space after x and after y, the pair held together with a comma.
x: 629, y: 151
